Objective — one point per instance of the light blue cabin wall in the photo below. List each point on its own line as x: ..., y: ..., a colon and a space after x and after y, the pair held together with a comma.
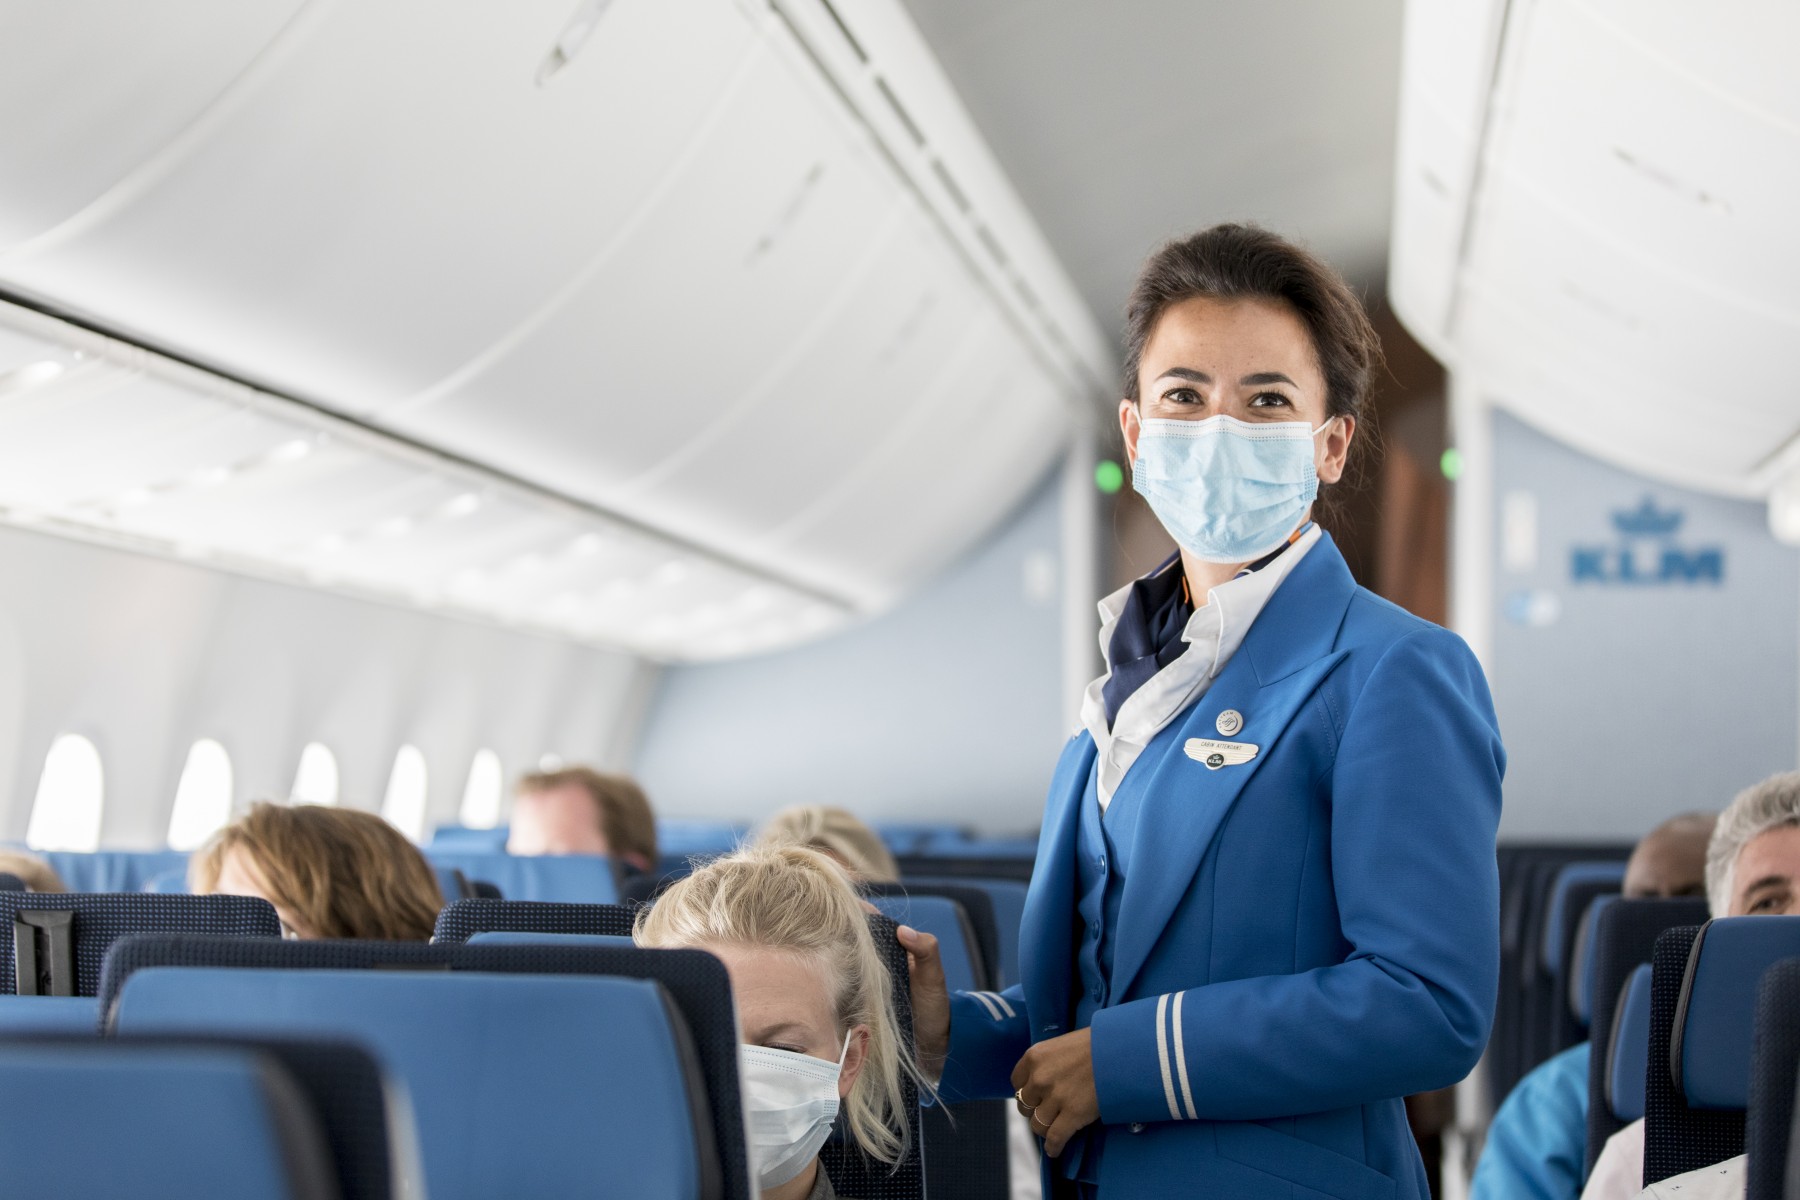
x: 949, y: 707
x: 1625, y: 701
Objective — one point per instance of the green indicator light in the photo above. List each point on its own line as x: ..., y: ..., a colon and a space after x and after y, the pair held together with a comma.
x: 1109, y: 477
x: 1451, y: 464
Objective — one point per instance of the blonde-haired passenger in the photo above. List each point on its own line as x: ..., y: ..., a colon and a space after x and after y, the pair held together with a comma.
x: 329, y: 872
x: 34, y: 872
x: 837, y: 833
x: 814, y: 1001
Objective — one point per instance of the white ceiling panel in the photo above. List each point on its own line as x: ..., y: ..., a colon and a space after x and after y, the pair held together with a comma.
x: 1659, y: 158
x: 120, y: 79
x: 690, y: 319
x: 672, y: 273
x: 395, y: 192
x: 1621, y: 274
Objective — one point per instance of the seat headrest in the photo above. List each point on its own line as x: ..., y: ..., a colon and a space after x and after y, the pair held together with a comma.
x: 1715, y: 1017
x: 1582, y: 876
x: 1584, y: 978
x: 1628, y: 1049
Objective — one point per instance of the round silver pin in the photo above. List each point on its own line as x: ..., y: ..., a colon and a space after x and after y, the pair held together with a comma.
x: 1230, y: 721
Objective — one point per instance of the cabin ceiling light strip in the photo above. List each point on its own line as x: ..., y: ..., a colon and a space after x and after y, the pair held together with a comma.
x: 141, y: 452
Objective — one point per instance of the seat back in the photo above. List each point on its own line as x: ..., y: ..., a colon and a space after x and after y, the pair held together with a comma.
x: 947, y: 921
x: 581, y: 878
x: 1576, y: 886
x: 463, y: 919
x: 1628, y: 1049
x: 112, y: 870
x: 453, y: 885
x: 1625, y: 934
x: 1677, y: 1137
x: 73, y: 1016
x: 511, y: 1076
x: 854, y: 1175
x: 696, y: 982
x: 10, y: 882
x: 61, y: 938
x: 1715, y: 1013
x: 512, y: 937
x: 157, y: 1122
x: 461, y: 839
x: 1582, y: 961
x: 1007, y: 896
x: 980, y: 922
x: 1775, y: 1063
x: 682, y: 840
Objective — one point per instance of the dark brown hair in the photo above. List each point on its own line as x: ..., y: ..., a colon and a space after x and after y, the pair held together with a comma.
x: 620, y: 806
x: 1243, y: 262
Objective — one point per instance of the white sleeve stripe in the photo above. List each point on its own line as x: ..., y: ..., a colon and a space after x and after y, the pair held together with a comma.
x: 1001, y: 1001
x: 985, y: 1003
x: 1162, y: 1053
x: 1187, y: 1096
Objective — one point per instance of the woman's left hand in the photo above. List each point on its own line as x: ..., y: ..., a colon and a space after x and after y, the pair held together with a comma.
x: 1055, y: 1082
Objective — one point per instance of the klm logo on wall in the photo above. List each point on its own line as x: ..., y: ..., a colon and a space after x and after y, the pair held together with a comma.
x: 1648, y: 553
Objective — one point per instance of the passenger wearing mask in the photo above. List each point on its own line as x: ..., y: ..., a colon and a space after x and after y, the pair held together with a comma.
x: 578, y: 810
x: 836, y: 833
x: 329, y: 872
x: 1537, y: 1144
x: 1752, y: 870
x: 37, y: 875
x: 814, y: 1002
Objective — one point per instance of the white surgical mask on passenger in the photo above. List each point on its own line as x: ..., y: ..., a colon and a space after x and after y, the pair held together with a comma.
x: 790, y: 1101
x: 1228, y: 491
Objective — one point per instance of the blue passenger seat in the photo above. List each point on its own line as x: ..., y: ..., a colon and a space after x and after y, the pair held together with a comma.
x: 71, y: 1015
x: 947, y: 921
x: 1624, y: 939
x: 157, y: 1122
x: 1007, y: 898
x: 563, y: 1066
x: 65, y: 935
x: 581, y: 878
x: 1628, y: 1049
x: 10, y: 882
x: 695, y: 981
x: 1769, y: 1121
x: 1702, y: 1009
x: 462, y: 839
x: 513, y: 937
x: 113, y: 870
x: 461, y: 921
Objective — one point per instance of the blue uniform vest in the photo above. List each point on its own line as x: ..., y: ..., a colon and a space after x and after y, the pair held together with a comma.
x: 1103, y: 860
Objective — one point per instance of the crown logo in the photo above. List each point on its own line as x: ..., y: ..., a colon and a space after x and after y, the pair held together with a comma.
x: 1646, y: 520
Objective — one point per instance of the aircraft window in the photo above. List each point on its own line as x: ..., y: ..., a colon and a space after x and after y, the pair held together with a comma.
x: 66, y: 813
x: 404, y: 806
x: 316, y: 782
x: 203, y: 797
x: 482, y: 796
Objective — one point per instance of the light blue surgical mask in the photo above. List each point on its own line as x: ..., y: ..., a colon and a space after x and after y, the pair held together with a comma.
x: 1228, y: 491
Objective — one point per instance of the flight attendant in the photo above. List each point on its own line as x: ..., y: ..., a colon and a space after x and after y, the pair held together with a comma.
x: 1265, y: 904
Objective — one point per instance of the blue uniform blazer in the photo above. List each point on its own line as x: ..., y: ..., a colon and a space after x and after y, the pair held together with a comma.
x: 1304, y: 939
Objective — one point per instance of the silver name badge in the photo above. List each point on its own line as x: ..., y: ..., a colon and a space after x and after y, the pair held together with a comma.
x: 1219, y: 754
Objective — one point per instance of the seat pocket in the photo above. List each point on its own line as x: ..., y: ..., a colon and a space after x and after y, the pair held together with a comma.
x: 1300, y: 1162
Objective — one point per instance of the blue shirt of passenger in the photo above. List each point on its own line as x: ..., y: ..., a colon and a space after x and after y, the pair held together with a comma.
x: 1537, y: 1145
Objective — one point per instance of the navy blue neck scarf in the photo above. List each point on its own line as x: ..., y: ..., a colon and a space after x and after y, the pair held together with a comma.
x: 1147, y: 637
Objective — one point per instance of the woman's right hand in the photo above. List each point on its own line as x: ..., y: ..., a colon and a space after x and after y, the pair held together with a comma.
x: 930, y: 1001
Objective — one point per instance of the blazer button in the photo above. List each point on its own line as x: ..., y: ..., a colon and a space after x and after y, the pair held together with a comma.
x: 1137, y: 1127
